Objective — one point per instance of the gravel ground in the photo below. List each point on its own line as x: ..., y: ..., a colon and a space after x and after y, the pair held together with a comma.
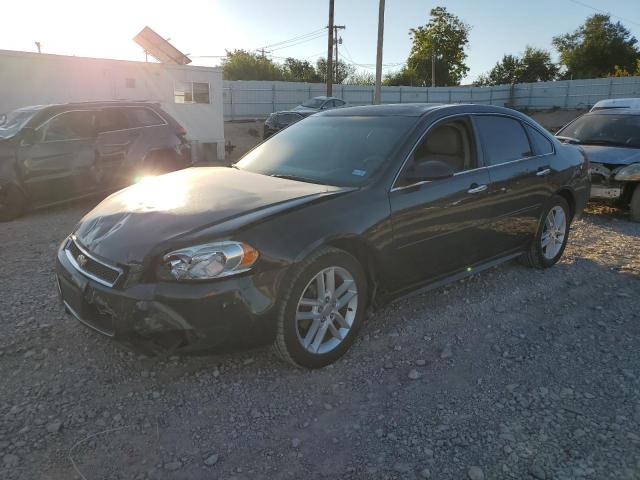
x: 513, y: 373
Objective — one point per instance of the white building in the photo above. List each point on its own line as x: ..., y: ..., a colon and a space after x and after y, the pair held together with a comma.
x: 191, y: 94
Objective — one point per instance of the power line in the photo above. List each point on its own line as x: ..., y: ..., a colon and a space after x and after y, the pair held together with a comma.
x: 577, y: 2
x: 300, y: 42
x: 293, y: 39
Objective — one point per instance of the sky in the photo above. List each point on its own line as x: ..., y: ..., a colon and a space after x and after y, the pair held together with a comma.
x: 205, y: 29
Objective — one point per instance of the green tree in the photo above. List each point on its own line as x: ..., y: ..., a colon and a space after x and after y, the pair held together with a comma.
x: 596, y: 48
x: 244, y: 65
x: 361, y: 78
x: 404, y: 76
x: 444, y: 37
x: 299, y: 71
x: 344, y: 70
x: 535, y: 65
x: 623, y: 72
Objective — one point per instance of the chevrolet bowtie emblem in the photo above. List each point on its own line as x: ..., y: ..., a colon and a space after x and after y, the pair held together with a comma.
x: 82, y: 260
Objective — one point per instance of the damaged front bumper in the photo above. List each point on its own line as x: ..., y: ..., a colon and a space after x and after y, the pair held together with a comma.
x: 603, y: 183
x: 232, y: 313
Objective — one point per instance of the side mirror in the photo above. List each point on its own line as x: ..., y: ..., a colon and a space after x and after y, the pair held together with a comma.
x: 28, y: 136
x: 429, y: 170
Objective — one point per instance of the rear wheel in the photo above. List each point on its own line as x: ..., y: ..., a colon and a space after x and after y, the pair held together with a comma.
x: 634, y: 204
x: 12, y: 202
x: 552, y: 235
x: 322, y: 309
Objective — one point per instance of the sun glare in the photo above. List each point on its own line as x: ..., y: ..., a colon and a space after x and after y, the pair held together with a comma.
x: 161, y: 193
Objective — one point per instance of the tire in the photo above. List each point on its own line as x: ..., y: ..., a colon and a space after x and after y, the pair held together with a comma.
x: 13, y: 203
x: 292, y: 332
x: 539, y: 256
x: 634, y: 204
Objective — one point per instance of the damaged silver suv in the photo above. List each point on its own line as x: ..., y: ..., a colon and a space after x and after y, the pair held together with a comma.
x: 611, y: 141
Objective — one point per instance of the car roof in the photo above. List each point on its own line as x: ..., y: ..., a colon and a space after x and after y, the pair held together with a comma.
x: 416, y: 110
x: 91, y: 104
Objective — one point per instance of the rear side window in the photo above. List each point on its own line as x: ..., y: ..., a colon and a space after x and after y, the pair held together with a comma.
x: 541, y: 144
x: 70, y: 126
x: 110, y: 120
x: 503, y: 139
x: 143, y: 117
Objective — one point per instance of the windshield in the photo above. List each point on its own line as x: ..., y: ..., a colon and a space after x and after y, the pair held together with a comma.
x: 342, y: 151
x: 11, y: 123
x: 313, y: 103
x: 615, y: 130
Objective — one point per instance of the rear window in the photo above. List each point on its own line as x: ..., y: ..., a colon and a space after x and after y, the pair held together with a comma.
x: 503, y: 139
x: 143, y: 117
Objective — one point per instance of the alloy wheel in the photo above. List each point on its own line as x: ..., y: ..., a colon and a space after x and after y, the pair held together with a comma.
x: 326, y: 310
x: 553, y: 233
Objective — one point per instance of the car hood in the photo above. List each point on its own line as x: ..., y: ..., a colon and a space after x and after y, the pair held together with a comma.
x: 305, y: 110
x: 611, y: 155
x: 159, y: 211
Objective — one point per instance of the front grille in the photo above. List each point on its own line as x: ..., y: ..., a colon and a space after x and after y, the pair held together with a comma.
x: 99, y: 271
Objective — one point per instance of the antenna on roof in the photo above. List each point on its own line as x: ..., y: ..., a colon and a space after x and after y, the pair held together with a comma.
x: 156, y: 46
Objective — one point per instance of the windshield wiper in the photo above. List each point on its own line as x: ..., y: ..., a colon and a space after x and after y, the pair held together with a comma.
x: 297, y: 178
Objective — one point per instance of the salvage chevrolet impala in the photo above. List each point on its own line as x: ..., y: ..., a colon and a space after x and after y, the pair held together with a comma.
x: 339, y: 213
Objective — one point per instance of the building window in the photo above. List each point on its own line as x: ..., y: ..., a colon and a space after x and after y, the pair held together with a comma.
x: 191, y: 92
x: 130, y: 82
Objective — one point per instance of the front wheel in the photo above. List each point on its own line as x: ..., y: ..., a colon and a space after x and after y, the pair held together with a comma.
x: 552, y: 235
x: 322, y: 309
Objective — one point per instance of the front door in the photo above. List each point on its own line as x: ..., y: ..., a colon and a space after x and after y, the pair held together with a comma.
x: 59, y: 164
x: 439, y: 226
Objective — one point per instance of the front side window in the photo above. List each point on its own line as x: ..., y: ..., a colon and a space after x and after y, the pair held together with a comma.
x: 191, y: 92
x: 70, y: 126
x: 451, y: 143
x: 342, y: 151
x: 503, y: 139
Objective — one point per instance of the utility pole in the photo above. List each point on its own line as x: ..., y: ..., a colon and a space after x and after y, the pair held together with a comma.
x: 336, y: 41
x: 378, y: 89
x: 330, y: 52
x: 262, y: 52
x: 433, y: 69
x: 38, y: 45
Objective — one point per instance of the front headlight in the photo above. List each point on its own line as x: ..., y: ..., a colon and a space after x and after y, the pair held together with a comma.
x: 205, y: 262
x: 630, y: 173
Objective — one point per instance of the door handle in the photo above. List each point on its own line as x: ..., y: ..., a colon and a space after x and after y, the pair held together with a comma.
x: 477, y: 189
x: 543, y: 172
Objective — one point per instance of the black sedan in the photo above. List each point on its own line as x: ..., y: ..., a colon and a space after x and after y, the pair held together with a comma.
x: 343, y: 211
x: 280, y: 120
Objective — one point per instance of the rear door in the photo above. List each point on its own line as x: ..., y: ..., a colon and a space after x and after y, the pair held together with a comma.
x: 59, y: 165
x: 439, y: 226
x: 115, y: 139
x: 519, y: 179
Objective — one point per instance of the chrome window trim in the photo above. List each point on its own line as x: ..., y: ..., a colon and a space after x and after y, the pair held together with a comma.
x: 394, y: 188
x: 422, y: 182
x: 165, y: 123
x: 73, y: 261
